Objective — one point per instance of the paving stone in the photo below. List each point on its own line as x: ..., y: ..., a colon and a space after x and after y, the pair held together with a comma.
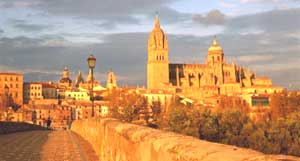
x: 45, y: 146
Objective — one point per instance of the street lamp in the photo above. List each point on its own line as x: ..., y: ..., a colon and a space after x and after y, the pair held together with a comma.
x: 92, y: 62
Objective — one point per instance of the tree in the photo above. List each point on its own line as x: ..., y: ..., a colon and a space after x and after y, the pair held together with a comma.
x: 126, y: 106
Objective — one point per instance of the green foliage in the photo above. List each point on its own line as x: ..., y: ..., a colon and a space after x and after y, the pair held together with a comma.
x: 234, y: 127
x: 183, y: 120
x: 126, y: 106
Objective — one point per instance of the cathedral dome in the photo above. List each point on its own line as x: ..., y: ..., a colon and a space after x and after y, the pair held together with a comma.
x: 65, y: 76
x: 215, y: 46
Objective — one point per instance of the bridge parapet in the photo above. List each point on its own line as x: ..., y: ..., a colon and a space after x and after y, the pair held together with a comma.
x: 11, y: 127
x: 118, y: 141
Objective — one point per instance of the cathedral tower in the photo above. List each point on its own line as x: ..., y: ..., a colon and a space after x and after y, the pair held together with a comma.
x: 111, y: 82
x: 215, y: 53
x: 215, y: 61
x: 158, y: 61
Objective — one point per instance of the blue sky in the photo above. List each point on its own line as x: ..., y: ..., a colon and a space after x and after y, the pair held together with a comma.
x: 40, y: 37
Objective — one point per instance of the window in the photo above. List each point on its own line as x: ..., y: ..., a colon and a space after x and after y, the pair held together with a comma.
x: 17, y: 86
x: 5, y: 78
x: 16, y: 94
x: 17, y: 79
x: 11, y: 79
x: 11, y: 85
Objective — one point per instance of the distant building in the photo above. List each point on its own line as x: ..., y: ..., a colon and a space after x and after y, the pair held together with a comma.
x: 200, y: 81
x: 111, y: 82
x: 60, y: 116
x: 83, y: 109
x: 14, y: 84
x: 79, y: 79
x: 65, y: 81
x: 39, y: 90
x: 77, y: 95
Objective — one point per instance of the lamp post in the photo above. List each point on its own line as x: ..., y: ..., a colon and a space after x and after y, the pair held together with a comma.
x: 92, y: 62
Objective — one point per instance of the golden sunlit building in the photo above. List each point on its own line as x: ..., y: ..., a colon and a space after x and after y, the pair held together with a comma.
x: 39, y: 91
x: 14, y: 84
x: 111, y: 82
x: 65, y: 81
x: 214, y: 77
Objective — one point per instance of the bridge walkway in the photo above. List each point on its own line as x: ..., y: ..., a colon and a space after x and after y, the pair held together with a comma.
x: 62, y: 145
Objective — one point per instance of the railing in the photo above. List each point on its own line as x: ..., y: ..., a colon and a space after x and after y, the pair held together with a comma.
x: 118, y: 141
x: 11, y: 127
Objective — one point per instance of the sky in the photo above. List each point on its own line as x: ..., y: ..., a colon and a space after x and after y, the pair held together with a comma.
x: 40, y: 37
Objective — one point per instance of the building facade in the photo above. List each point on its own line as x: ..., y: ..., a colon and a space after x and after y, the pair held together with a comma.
x: 39, y: 91
x: 214, y: 77
x: 14, y: 84
x: 158, y: 61
x: 111, y: 81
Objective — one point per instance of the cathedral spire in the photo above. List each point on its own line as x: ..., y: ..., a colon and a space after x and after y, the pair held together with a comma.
x: 157, y: 23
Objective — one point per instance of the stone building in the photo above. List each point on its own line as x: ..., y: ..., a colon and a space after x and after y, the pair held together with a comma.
x: 14, y: 84
x: 65, y: 81
x: 214, y: 77
x: 111, y: 81
x: 158, y: 61
x: 39, y: 91
x: 79, y: 79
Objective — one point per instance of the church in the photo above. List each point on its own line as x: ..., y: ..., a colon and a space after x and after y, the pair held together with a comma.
x: 214, y: 77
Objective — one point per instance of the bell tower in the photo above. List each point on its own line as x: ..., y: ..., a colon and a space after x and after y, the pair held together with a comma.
x: 158, y: 59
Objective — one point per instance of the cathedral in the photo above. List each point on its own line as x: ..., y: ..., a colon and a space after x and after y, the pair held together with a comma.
x: 214, y: 77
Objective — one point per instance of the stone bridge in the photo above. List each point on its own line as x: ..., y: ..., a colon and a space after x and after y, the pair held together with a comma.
x: 112, y: 140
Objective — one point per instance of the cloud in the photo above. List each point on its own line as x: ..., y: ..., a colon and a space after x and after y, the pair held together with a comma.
x: 110, y: 11
x: 267, y: 1
x: 213, y: 17
x: 1, y: 31
x: 28, y: 27
x: 254, y: 58
x: 271, y: 21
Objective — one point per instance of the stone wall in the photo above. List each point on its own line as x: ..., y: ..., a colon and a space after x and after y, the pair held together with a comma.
x: 11, y: 127
x: 118, y: 141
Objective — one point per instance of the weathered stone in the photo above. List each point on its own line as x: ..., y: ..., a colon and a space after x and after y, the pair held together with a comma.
x: 118, y: 141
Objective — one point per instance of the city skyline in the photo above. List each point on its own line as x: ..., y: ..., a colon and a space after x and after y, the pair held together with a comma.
x: 39, y: 38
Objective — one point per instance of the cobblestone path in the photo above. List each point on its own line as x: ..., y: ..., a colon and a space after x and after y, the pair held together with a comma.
x: 45, y: 146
